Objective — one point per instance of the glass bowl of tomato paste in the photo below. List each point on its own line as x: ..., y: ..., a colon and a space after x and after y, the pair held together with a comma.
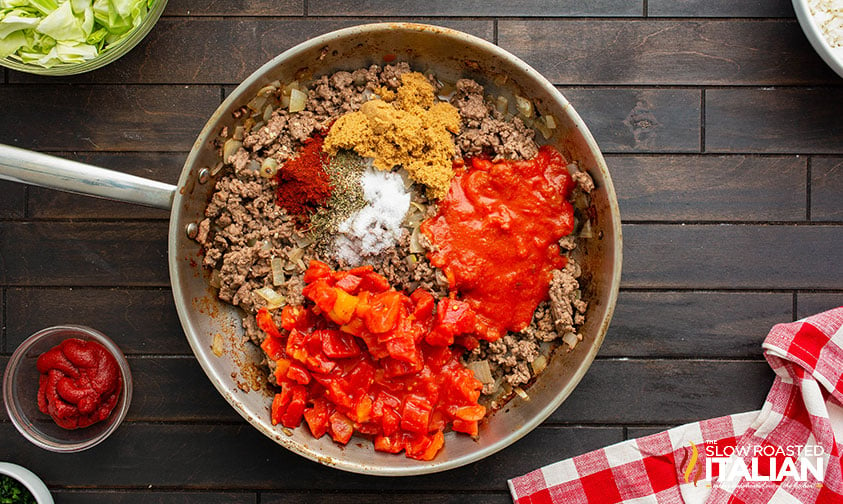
x: 67, y: 388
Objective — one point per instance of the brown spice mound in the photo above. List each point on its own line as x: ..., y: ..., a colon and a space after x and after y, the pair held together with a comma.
x: 404, y: 128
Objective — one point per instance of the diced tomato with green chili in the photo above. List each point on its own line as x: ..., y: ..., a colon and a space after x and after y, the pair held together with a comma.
x: 343, y: 308
x: 339, y: 345
x: 397, y: 385
x: 295, y: 348
x: 389, y: 443
x: 415, y: 415
x: 321, y: 293
x: 373, y: 282
x: 266, y: 324
x: 350, y: 283
x: 383, y: 312
x: 341, y: 427
x: 316, y: 417
x: 468, y: 427
x: 315, y: 271
x: 423, y: 304
x: 273, y: 347
x: 298, y: 373
x: 295, y: 408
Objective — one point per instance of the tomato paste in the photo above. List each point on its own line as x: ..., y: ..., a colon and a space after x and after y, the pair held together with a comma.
x: 80, y: 383
x: 495, y: 236
x: 367, y: 358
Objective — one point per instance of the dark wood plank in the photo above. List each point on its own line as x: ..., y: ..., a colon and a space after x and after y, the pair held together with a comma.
x: 314, y: 497
x: 665, y: 391
x: 160, y: 166
x: 140, y: 321
x: 732, y: 256
x: 13, y: 202
x: 105, y: 118
x: 639, y: 432
x: 827, y: 189
x: 474, y: 8
x: 235, y: 8
x: 150, y: 496
x: 811, y: 303
x: 694, y: 324
x: 168, y: 389
x: 710, y: 188
x: 223, y: 50
x: 640, y: 120
x: 238, y: 457
x: 780, y: 120
x: 175, y: 389
x: 654, y: 51
x: 83, y: 254
x: 719, y: 8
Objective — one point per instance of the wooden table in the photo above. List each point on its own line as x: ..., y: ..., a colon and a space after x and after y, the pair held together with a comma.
x: 722, y: 129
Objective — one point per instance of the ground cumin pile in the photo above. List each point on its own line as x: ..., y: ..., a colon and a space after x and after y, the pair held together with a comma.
x: 407, y: 128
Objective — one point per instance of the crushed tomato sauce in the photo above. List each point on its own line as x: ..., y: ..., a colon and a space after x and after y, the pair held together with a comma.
x: 367, y: 358
x: 80, y: 383
x: 495, y: 236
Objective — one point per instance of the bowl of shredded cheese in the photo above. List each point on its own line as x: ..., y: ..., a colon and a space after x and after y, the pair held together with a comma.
x: 822, y: 22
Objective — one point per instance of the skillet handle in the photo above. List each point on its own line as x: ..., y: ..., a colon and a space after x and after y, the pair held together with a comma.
x: 34, y: 168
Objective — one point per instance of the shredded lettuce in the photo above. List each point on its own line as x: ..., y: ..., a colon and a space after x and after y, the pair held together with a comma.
x: 54, y: 32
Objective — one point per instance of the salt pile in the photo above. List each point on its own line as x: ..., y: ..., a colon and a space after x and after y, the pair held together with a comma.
x: 377, y: 226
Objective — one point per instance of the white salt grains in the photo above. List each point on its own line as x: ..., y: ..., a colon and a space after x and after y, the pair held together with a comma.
x: 377, y: 226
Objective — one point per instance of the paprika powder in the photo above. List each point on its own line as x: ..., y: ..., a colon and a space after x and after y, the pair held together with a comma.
x: 303, y: 183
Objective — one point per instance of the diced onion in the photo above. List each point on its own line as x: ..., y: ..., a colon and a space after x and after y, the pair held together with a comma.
x: 216, y: 169
x: 521, y: 393
x: 297, y: 100
x: 539, y: 364
x: 215, y: 280
x: 217, y: 346
x: 585, y: 232
x: 269, y: 168
x: 277, y: 265
x: 570, y: 339
x: 502, y: 104
x: 268, y: 90
x: 272, y: 298
x: 295, y: 254
x: 230, y: 148
x: 415, y: 246
x: 524, y: 106
x: 550, y: 122
x: 256, y: 104
x: 238, y: 133
x: 481, y: 370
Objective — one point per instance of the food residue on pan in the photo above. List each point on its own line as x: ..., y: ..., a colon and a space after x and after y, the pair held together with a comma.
x: 401, y: 248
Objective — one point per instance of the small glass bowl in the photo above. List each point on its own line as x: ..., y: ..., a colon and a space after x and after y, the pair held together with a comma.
x: 20, y: 392
x: 109, y: 55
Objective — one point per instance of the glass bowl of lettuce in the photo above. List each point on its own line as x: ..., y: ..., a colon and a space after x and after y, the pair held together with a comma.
x: 66, y: 37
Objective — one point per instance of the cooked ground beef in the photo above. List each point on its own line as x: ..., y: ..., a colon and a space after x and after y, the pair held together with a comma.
x: 485, y: 130
x: 244, y: 228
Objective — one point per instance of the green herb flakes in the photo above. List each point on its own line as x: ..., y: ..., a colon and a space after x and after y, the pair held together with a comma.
x: 12, y: 491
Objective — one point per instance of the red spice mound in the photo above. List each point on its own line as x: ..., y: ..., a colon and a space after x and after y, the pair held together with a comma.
x: 303, y: 184
x: 80, y: 383
x: 371, y: 359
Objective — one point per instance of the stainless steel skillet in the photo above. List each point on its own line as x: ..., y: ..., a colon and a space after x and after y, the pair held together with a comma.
x: 450, y: 55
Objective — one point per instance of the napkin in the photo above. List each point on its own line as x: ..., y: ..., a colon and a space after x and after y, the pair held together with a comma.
x: 787, y: 452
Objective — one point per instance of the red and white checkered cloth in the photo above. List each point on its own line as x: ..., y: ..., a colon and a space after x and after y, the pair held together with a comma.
x: 785, y: 453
